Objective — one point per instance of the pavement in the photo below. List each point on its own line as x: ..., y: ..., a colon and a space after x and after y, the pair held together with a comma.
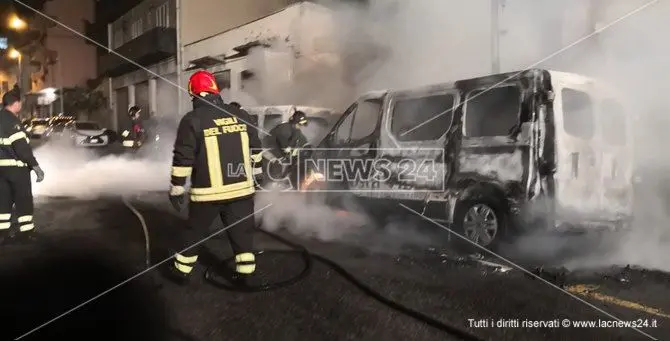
x: 85, y: 276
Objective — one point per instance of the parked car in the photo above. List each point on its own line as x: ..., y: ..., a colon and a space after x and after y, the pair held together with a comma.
x: 37, y: 127
x: 87, y: 134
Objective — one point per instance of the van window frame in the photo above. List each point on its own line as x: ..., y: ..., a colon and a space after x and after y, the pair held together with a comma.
x: 483, y: 90
x: 410, y: 95
x: 348, y: 112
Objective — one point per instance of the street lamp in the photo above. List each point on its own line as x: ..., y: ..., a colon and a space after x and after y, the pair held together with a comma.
x: 16, y: 23
x: 14, y: 54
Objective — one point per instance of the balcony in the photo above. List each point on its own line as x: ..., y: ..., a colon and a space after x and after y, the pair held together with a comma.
x: 149, y: 48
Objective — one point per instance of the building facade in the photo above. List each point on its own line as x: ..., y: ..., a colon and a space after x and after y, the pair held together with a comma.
x: 259, y: 50
x: 140, y: 65
x: 73, y: 57
x: 55, y: 54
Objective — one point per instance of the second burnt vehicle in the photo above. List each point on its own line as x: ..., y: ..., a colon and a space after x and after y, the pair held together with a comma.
x: 492, y: 156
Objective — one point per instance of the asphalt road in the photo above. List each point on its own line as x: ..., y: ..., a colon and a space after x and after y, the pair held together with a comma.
x: 87, y: 247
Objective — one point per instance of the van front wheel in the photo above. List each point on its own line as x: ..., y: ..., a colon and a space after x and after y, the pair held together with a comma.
x: 481, y: 221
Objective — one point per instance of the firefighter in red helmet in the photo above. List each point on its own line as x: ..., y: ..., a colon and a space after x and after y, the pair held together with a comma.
x: 218, y: 148
x: 135, y: 136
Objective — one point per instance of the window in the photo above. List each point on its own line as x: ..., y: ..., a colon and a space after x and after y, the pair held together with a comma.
x: 422, y: 119
x: 246, y: 78
x: 343, y: 133
x: 578, y: 118
x: 366, y: 118
x: 223, y: 79
x: 613, y: 123
x: 492, y: 112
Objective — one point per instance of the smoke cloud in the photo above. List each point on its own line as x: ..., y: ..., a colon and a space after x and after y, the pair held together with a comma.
x: 402, y: 44
x: 84, y: 174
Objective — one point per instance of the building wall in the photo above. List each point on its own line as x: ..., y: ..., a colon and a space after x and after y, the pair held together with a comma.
x: 78, y: 62
x: 147, y: 15
x: 155, y: 91
x: 7, y: 81
x: 205, y: 18
x: 297, y: 35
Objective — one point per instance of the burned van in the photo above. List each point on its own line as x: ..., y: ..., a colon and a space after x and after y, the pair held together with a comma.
x: 492, y: 156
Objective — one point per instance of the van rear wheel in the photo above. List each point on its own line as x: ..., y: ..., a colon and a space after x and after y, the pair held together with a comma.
x: 481, y: 221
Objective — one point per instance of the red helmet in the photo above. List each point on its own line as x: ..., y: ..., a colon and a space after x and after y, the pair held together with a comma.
x: 202, y: 83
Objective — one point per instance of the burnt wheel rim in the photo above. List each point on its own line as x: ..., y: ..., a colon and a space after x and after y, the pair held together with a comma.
x: 480, y: 224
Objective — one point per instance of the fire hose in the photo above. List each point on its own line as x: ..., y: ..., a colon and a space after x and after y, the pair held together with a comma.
x: 308, y: 258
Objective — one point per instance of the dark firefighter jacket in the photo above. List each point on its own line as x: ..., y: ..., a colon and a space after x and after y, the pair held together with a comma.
x: 218, y: 150
x: 134, y: 134
x: 285, y: 138
x: 15, y: 149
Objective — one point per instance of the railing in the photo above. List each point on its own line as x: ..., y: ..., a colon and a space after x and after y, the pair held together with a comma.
x: 146, y: 16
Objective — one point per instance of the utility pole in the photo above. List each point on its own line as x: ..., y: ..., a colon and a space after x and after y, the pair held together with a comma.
x: 60, y: 85
x: 495, y: 36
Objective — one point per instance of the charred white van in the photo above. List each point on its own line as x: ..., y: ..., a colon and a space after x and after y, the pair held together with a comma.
x: 506, y: 152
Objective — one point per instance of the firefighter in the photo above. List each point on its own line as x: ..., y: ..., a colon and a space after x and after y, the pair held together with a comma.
x: 134, y: 137
x: 221, y: 153
x: 16, y: 163
x: 285, y: 142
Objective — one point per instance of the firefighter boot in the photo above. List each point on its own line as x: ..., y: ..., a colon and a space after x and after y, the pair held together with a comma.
x: 180, y: 271
x: 245, y: 266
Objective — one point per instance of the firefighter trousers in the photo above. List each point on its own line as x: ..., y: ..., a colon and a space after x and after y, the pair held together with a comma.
x: 239, y: 214
x: 16, y: 192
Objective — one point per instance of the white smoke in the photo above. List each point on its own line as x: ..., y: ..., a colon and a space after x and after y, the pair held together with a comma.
x: 402, y: 44
x: 309, y: 217
x: 81, y: 173
x: 630, y: 57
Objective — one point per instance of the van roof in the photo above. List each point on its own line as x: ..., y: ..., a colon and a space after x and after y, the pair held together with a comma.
x: 496, y: 78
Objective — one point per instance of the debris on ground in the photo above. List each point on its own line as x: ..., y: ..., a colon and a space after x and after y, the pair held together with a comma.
x: 556, y: 276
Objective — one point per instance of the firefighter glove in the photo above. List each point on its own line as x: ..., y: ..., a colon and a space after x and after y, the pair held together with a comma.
x: 177, y: 197
x: 39, y: 172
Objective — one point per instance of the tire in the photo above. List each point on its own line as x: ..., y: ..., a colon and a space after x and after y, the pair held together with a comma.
x: 487, y: 211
